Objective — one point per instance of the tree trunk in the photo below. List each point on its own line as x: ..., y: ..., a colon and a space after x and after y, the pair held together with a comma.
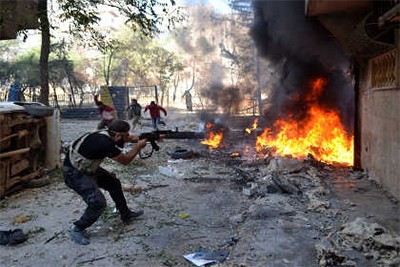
x: 71, y: 85
x: 44, y: 53
x: 56, y: 104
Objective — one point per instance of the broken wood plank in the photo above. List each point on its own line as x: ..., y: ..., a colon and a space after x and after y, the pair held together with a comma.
x: 20, y: 134
x: 17, y: 179
x: 14, y: 152
x: 285, y: 186
x: 19, y: 166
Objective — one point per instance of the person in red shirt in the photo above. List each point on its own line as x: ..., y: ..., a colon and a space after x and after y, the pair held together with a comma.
x: 155, y: 113
x: 106, y: 113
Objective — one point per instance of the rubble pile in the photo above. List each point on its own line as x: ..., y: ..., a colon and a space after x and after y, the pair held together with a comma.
x: 371, y: 239
x: 307, y: 182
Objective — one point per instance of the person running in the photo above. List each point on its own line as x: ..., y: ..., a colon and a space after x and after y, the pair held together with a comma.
x: 106, y: 113
x: 155, y: 113
x: 135, y: 112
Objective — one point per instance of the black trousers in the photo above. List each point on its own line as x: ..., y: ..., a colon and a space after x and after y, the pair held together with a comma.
x: 88, y: 187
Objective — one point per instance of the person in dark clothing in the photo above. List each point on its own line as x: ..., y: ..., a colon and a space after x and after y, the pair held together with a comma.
x: 135, y: 112
x: 83, y: 174
x: 155, y: 113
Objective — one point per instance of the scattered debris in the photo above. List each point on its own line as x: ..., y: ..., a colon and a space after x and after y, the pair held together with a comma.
x: 169, y: 171
x: 54, y: 236
x: 183, y: 215
x: 92, y: 260
x: 250, y: 189
x: 203, y: 179
x: 366, y: 240
x: 242, y: 177
x: 22, y: 218
x: 203, y: 258
x: 285, y: 185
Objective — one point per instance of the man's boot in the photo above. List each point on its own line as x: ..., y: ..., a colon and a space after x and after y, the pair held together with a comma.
x: 129, y: 216
x: 79, y: 236
x: 12, y: 237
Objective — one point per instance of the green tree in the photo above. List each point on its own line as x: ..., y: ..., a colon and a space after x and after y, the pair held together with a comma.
x: 61, y: 69
x: 84, y: 16
x: 24, y: 71
x: 165, y: 65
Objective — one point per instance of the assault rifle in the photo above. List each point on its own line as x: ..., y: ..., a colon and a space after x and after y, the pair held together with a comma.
x: 154, y: 136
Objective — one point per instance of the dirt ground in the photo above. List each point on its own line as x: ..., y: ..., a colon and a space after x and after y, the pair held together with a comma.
x: 267, y: 211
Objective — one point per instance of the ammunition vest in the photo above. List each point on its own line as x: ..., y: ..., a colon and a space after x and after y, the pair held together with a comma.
x: 80, y: 162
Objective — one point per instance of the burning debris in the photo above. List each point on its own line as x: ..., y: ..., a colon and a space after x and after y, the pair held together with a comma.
x: 253, y: 127
x: 214, y: 135
x: 312, y: 103
x: 319, y: 132
x: 235, y: 155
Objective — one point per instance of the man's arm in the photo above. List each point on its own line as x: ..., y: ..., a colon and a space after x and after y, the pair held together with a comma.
x: 163, y: 110
x: 96, y: 99
x: 126, y: 158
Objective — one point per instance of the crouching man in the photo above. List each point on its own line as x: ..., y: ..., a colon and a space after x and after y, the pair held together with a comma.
x: 83, y: 174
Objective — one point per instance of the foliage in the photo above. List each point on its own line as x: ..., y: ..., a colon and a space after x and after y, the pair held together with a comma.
x: 144, y: 16
x: 165, y: 65
x: 25, y: 70
x: 84, y: 18
x: 139, y: 59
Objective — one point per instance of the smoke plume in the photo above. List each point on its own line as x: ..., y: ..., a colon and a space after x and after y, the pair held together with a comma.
x: 300, y: 49
x: 228, y: 98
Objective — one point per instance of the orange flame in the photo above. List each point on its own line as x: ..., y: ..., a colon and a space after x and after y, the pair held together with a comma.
x: 253, y: 126
x: 214, y: 140
x: 321, y: 134
x: 235, y: 154
x: 209, y: 125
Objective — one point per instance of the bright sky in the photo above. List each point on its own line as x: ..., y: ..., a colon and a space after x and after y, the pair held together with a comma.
x: 221, y: 6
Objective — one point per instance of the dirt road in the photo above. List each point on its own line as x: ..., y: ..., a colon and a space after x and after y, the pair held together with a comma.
x: 261, y: 212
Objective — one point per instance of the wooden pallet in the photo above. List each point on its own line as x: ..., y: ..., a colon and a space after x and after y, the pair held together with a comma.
x: 22, y: 149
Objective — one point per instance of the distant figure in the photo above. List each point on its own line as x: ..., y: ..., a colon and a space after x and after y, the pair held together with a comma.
x: 106, y: 113
x: 188, y: 100
x: 155, y: 113
x: 134, y: 112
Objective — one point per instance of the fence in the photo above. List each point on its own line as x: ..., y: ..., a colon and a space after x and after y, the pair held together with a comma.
x: 143, y: 94
x: 67, y: 101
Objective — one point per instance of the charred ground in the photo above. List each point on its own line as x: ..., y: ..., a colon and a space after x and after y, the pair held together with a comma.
x: 268, y: 211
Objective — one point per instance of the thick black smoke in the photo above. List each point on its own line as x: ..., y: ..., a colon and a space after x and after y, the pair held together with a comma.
x: 228, y: 98
x: 300, y: 50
